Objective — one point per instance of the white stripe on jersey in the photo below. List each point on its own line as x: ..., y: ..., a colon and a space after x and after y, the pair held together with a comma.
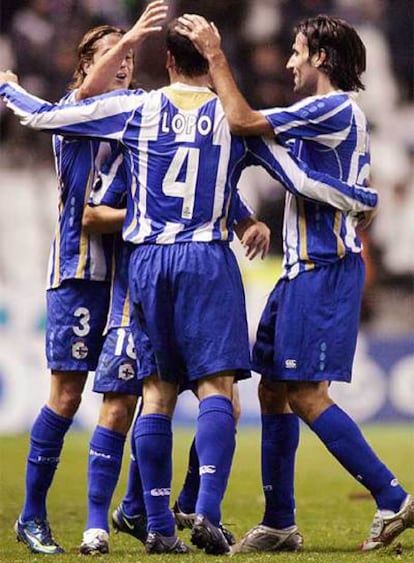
x: 299, y: 122
x: 169, y: 232
x: 148, y: 132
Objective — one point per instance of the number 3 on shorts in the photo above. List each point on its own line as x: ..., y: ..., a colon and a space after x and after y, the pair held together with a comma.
x: 83, y: 327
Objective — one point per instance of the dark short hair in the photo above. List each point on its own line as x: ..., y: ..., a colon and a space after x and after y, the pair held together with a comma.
x: 188, y: 60
x: 345, y: 52
x: 87, y: 48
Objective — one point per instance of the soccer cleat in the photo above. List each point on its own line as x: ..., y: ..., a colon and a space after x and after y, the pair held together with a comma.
x: 95, y: 542
x: 206, y: 536
x: 37, y: 535
x: 263, y: 538
x: 182, y: 519
x: 186, y: 520
x: 385, y: 529
x: 135, y: 526
x: 156, y: 543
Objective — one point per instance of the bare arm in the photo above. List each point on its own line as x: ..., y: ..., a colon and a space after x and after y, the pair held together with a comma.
x: 99, y: 78
x: 102, y: 219
x: 254, y: 236
x: 8, y: 76
x: 243, y: 120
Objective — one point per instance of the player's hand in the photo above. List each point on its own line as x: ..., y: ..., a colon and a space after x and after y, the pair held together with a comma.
x: 8, y: 76
x: 256, y: 240
x: 365, y: 218
x: 148, y: 23
x: 203, y: 34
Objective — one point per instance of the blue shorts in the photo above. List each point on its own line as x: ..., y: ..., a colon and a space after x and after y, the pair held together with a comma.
x: 76, y: 318
x: 309, y: 327
x: 188, y: 302
x: 117, y: 366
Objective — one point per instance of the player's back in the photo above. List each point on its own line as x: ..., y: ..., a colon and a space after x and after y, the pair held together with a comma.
x: 186, y: 168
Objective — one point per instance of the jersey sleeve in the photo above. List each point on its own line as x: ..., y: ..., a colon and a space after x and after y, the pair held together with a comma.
x: 113, y: 179
x: 241, y: 209
x: 305, y: 182
x: 102, y: 116
x: 316, y: 117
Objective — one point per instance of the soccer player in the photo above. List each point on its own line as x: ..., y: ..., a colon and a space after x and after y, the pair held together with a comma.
x: 307, y: 334
x: 77, y: 304
x: 116, y: 371
x: 185, y: 286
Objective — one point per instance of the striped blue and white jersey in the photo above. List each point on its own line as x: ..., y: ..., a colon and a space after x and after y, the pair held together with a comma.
x: 110, y: 189
x: 76, y: 254
x: 330, y: 134
x: 184, y: 162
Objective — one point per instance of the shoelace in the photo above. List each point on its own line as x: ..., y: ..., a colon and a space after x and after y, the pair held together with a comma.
x: 42, y: 528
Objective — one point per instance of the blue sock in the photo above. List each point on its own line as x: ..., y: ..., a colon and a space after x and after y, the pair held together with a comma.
x: 345, y: 441
x: 153, y: 440
x: 215, y: 443
x: 46, y: 442
x: 280, y: 440
x: 133, y: 501
x: 104, y: 466
x: 188, y: 496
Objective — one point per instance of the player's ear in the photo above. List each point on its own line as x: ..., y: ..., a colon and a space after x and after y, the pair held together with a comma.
x: 320, y: 58
x: 170, y: 61
x: 86, y: 66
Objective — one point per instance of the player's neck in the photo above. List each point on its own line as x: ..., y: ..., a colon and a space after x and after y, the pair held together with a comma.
x: 324, y: 85
x: 202, y: 81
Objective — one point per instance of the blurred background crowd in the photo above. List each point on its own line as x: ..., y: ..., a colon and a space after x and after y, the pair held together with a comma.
x: 38, y: 40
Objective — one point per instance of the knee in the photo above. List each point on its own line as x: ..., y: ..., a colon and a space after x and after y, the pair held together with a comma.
x: 272, y: 397
x: 66, y: 402
x: 308, y: 400
x: 117, y: 412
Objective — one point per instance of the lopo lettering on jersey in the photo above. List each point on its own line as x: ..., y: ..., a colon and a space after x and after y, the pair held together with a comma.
x: 186, y: 124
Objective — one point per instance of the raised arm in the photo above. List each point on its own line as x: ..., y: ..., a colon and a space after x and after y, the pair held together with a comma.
x: 100, y: 75
x: 243, y: 120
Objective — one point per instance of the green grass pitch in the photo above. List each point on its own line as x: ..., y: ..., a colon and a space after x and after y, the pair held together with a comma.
x: 333, y: 511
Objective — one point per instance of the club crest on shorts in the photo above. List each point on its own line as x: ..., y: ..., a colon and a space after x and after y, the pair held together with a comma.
x: 126, y: 371
x: 79, y: 350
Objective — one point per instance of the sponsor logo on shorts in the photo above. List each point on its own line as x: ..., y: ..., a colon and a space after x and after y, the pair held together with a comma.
x: 126, y: 371
x: 164, y: 492
x: 207, y: 469
x: 290, y: 364
x: 79, y: 350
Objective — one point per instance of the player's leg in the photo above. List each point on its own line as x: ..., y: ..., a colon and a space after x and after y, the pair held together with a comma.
x: 280, y: 438
x: 153, y: 437
x: 215, y: 443
x: 330, y: 299
x: 116, y: 378
x: 75, y: 319
x: 129, y: 516
x: 184, y: 506
x: 345, y: 441
x: 46, y: 443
